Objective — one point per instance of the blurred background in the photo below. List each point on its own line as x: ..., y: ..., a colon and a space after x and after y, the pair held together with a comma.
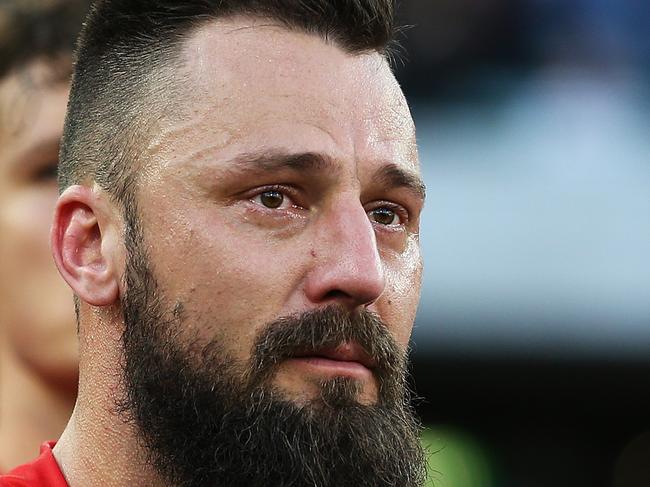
x: 532, y: 343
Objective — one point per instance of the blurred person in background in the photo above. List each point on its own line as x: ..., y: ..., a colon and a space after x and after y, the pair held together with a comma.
x: 38, y: 346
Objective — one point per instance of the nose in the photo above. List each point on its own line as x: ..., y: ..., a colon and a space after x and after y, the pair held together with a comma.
x: 347, y: 268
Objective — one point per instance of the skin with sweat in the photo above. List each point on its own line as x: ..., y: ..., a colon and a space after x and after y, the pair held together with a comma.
x: 289, y: 181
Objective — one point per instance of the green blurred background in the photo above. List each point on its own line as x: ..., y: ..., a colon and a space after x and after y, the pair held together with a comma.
x: 457, y: 460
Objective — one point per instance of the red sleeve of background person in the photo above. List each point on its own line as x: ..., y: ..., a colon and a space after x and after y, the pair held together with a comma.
x: 42, y: 472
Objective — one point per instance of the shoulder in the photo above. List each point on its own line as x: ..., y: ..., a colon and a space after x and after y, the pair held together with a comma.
x: 42, y: 472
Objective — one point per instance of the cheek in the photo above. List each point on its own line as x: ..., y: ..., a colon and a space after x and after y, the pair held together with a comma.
x: 231, y: 279
x: 399, y: 303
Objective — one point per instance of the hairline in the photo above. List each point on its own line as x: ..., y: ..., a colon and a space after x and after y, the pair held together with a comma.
x: 155, y: 78
x: 171, y: 71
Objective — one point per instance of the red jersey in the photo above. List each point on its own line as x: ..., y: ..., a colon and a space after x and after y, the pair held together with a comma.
x: 42, y: 472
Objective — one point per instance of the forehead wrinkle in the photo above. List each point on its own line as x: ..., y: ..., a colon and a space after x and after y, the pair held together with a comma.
x: 184, y: 135
x: 374, y: 101
x: 278, y: 159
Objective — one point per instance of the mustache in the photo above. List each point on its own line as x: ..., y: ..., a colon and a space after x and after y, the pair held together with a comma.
x: 328, y: 328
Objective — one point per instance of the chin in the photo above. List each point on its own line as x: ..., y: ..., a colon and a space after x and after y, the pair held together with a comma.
x: 329, y: 391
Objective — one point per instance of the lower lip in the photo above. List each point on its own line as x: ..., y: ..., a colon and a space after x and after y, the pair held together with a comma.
x: 335, y: 368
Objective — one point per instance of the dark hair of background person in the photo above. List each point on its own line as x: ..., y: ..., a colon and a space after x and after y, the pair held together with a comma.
x: 128, y: 64
x: 33, y: 30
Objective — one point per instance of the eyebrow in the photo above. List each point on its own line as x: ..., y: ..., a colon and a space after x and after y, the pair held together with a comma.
x: 393, y: 176
x: 389, y: 175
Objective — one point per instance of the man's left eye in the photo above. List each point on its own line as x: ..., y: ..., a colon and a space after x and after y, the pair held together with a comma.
x: 272, y: 199
x: 384, y: 216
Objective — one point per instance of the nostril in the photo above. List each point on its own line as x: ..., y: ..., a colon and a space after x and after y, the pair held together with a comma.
x: 336, y: 294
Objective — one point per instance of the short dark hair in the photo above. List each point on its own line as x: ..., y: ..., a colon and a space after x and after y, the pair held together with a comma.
x: 125, y: 53
x: 37, y: 30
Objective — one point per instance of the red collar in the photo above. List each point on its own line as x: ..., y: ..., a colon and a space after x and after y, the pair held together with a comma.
x: 42, y: 472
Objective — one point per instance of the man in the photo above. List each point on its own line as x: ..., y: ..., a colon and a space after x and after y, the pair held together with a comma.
x: 38, y: 343
x: 239, y: 222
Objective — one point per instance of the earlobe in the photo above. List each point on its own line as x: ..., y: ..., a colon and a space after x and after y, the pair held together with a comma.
x: 77, y: 246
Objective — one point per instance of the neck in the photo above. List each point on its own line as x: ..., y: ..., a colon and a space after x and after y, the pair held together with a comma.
x: 98, y: 446
x: 33, y: 409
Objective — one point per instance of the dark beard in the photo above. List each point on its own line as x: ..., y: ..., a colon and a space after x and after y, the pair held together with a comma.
x: 206, y: 420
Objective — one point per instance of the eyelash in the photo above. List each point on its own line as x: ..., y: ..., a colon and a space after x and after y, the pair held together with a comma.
x: 292, y: 194
x: 286, y: 191
x: 399, y: 210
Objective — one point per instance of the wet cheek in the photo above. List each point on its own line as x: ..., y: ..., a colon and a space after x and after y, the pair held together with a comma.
x: 406, y: 270
x: 231, y: 279
x: 402, y: 294
x: 249, y: 275
x: 239, y: 294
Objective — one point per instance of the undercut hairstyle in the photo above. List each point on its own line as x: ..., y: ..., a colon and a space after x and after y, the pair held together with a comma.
x: 128, y: 71
x: 38, y: 30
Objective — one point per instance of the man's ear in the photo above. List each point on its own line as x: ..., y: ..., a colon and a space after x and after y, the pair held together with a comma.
x: 79, y: 245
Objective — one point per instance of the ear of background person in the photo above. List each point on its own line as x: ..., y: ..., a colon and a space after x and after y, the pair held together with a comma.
x: 533, y: 336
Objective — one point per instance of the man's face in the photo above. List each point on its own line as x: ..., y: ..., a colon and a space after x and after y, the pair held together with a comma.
x: 273, y: 269
x: 35, y: 304
x: 289, y: 184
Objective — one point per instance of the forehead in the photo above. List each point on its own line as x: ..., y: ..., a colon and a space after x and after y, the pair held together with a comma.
x: 252, y: 84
